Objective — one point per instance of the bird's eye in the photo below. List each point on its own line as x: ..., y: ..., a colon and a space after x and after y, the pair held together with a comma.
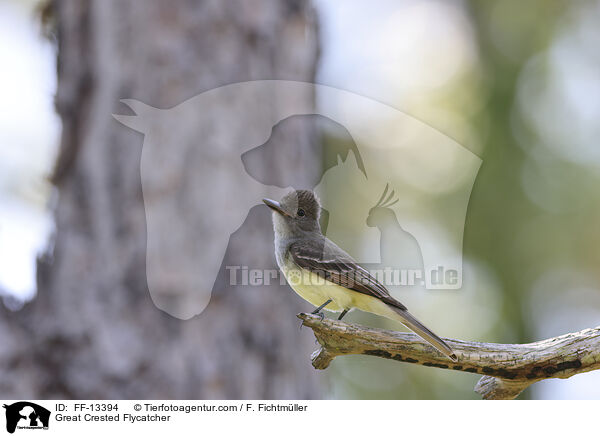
x: 301, y: 212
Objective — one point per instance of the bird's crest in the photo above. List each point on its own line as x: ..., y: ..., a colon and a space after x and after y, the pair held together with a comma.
x: 386, y: 201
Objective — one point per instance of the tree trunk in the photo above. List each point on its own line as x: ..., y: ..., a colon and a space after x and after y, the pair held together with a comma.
x: 93, y: 330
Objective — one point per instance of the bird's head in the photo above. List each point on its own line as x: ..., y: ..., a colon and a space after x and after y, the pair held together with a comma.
x: 296, y: 212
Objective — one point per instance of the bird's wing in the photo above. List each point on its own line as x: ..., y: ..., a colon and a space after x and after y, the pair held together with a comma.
x: 321, y: 256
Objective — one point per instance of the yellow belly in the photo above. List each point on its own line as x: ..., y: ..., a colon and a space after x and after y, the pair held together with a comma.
x: 316, y: 290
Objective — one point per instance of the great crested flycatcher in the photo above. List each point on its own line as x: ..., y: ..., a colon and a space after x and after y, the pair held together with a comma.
x: 325, y: 275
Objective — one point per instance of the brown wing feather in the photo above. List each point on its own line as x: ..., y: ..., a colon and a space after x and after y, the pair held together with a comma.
x: 321, y: 256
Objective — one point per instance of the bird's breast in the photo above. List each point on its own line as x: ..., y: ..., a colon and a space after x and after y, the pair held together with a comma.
x: 315, y: 289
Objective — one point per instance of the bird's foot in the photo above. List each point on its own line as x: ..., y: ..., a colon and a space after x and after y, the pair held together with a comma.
x: 317, y: 311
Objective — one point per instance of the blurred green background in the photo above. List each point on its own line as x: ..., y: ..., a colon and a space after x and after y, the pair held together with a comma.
x: 517, y: 83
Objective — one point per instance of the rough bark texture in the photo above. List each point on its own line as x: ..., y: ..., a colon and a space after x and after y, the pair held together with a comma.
x: 92, y: 331
x: 507, y: 369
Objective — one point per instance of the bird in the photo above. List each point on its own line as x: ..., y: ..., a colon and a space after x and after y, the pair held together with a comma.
x: 325, y: 275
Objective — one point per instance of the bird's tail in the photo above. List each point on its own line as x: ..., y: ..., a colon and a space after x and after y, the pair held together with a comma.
x: 415, y: 325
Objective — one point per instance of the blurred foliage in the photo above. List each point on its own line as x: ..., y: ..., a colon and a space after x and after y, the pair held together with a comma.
x: 530, y: 233
x: 499, y: 207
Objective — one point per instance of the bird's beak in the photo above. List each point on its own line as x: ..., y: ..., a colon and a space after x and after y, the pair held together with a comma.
x: 276, y: 206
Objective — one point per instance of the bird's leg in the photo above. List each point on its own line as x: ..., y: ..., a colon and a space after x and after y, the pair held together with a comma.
x: 343, y: 314
x: 318, y: 309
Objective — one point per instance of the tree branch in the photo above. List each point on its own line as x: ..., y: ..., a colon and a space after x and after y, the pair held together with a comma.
x: 507, y: 369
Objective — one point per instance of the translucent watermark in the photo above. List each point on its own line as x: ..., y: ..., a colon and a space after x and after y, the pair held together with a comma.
x: 194, y: 206
x: 241, y: 275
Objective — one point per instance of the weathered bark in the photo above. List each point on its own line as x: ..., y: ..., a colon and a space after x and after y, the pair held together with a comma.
x: 507, y: 369
x: 93, y: 331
